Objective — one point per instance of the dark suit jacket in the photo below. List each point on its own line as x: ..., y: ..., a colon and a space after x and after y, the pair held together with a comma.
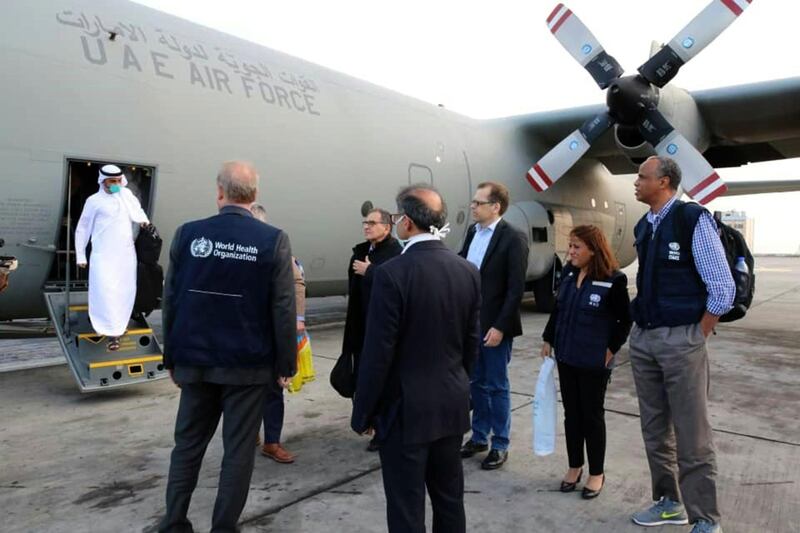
x: 360, y: 288
x: 502, y: 278
x: 422, y: 338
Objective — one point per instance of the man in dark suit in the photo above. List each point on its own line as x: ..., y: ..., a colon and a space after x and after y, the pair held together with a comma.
x: 413, y: 384
x: 379, y: 247
x: 229, y: 329
x: 501, y: 254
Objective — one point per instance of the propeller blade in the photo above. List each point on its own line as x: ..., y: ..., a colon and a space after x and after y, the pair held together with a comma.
x: 691, y: 40
x: 565, y: 154
x: 576, y: 38
x: 700, y: 180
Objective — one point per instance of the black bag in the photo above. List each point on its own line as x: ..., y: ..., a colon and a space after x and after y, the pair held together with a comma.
x: 343, y: 377
x: 148, y: 245
x: 735, y: 247
x: 149, y: 274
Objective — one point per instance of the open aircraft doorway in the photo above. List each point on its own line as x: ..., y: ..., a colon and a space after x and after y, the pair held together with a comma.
x: 94, y: 366
x: 80, y: 184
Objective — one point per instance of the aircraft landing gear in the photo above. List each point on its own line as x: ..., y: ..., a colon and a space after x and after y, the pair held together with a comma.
x: 544, y: 288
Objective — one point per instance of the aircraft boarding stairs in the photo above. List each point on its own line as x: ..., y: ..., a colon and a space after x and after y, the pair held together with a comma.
x: 139, y: 358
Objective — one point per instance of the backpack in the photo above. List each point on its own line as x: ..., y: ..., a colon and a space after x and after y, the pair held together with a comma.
x: 149, y: 274
x: 735, y: 247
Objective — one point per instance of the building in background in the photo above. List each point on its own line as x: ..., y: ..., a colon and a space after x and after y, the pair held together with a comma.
x: 738, y: 220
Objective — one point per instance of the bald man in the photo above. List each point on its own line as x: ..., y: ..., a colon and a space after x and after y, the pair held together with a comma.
x: 229, y: 329
x: 421, y: 339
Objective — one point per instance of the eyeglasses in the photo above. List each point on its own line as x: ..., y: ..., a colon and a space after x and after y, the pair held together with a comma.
x: 476, y: 203
x: 370, y: 223
x: 397, y: 217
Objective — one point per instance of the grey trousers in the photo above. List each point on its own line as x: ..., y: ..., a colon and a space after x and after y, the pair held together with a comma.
x: 670, y: 370
x: 199, y: 411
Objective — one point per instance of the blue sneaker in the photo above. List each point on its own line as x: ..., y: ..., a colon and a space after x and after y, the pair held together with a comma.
x: 664, y: 511
x: 704, y: 526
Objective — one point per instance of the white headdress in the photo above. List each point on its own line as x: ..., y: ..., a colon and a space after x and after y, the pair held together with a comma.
x: 111, y: 171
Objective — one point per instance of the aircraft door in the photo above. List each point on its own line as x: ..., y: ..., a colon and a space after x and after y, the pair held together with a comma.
x: 619, y: 227
x: 81, y: 182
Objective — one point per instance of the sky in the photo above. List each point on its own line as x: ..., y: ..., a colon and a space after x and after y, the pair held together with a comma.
x: 497, y: 59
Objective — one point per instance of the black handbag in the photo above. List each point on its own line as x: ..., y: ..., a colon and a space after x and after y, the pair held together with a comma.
x: 343, y: 377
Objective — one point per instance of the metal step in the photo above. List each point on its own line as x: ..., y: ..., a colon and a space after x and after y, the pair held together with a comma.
x: 139, y: 358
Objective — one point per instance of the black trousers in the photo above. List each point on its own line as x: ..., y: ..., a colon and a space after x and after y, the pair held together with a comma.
x: 583, y: 392
x: 274, y: 410
x: 408, y: 469
x: 199, y: 411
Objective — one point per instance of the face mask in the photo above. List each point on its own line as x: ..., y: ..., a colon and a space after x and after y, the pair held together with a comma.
x: 115, y: 189
x: 396, y: 236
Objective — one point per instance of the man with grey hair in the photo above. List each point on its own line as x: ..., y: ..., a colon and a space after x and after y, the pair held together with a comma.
x: 683, y: 286
x: 378, y: 247
x: 421, y: 339
x: 229, y: 329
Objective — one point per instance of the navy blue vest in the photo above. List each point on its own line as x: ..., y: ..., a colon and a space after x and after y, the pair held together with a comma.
x: 584, y: 321
x: 670, y: 292
x: 221, y: 303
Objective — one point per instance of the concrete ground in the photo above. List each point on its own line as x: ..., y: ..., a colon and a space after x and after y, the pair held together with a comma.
x: 72, y: 462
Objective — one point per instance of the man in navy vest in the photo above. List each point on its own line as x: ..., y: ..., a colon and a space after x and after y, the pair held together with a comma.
x: 683, y: 286
x: 229, y: 328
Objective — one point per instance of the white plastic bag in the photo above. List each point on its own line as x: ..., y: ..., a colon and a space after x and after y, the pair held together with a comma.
x: 544, y: 409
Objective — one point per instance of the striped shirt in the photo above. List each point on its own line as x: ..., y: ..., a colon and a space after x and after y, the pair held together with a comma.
x: 709, y: 259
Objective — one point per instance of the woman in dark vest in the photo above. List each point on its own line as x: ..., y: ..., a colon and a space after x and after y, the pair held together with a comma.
x: 589, y: 324
x: 379, y: 247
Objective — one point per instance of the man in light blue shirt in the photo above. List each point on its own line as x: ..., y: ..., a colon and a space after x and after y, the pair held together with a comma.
x: 500, y: 253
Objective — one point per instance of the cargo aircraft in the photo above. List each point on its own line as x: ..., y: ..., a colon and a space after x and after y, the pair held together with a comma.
x: 88, y: 83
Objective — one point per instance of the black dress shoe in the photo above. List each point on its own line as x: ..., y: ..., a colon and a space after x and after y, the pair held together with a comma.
x: 588, y: 494
x: 566, y: 486
x: 494, y: 460
x: 472, y: 447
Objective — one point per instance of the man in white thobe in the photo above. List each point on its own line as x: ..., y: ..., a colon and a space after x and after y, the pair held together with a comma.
x: 108, y: 219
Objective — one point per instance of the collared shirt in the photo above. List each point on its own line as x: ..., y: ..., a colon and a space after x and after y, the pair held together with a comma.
x: 480, y: 243
x: 709, y: 259
x: 421, y: 237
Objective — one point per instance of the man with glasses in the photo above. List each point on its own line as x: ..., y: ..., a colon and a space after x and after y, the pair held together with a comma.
x: 413, y: 386
x: 500, y: 252
x: 379, y: 247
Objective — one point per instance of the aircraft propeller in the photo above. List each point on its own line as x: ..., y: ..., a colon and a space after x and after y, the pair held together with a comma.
x: 633, y: 100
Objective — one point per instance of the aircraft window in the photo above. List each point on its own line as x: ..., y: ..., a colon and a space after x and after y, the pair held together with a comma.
x: 460, y: 217
x: 594, y: 203
x: 538, y: 234
x: 419, y: 174
x: 605, y: 204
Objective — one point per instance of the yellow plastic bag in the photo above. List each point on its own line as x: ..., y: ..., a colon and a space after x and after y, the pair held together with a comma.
x: 305, y: 364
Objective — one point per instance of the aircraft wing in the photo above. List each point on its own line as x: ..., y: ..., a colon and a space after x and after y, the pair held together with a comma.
x: 752, y: 123
x: 746, y: 124
x: 739, y: 187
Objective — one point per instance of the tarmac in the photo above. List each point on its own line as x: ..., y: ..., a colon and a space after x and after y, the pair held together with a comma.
x: 98, y: 462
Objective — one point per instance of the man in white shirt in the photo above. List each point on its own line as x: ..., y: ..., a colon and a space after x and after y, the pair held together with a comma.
x: 108, y: 219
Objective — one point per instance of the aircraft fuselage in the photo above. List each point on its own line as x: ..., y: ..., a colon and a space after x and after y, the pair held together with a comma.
x: 119, y: 82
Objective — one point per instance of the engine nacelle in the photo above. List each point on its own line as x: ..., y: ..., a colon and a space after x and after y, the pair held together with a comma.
x: 680, y: 109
